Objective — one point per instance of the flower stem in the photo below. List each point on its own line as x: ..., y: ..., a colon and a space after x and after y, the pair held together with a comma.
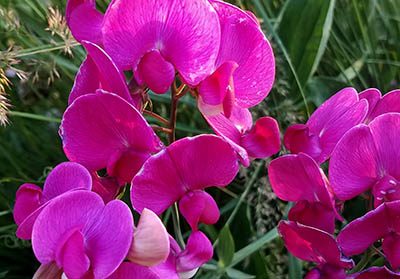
x: 156, y: 116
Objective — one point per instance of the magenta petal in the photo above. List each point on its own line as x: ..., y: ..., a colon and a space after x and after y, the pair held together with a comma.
x: 357, y: 236
x: 87, y: 80
x: 129, y: 270
x: 155, y: 72
x: 389, y: 103
x: 198, y: 251
x: 65, y: 177
x: 243, y: 42
x: 71, y: 256
x: 377, y: 273
x: 218, y: 87
x: 84, y: 20
x: 263, y: 140
x: 373, y: 96
x: 97, y: 126
x: 298, y: 177
x: 313, y: 214
x: 299, y: 139
x: 354, y: 164
x: 28, y: 199
x: 199, y: 206
x: 311, y: 244
x: 187, y: 164
x: 107, y: 230
x: 106, y: 187
x: 186, y: 33
x: 391, y: 248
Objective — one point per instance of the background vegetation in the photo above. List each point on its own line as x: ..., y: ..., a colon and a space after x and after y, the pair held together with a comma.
x: 320, y: 46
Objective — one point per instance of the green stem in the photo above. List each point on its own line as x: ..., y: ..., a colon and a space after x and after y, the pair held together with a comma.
x: 34, y: 116
x: 177, y: 226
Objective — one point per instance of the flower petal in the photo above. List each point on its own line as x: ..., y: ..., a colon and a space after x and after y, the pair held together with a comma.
x: 129, y: 270
x: 298, y: 138
x: 377, y: 273
x: 353, y: 167
x: 199, y: 206
x: 150, y: 244
x: 263, y: 140
x: 358, y: 235
x: 186, y: 33
x: 298, y: 177
x: 243, y: 42
x: 187, y: 164
x: 107, y: 230
x: 65, y: 177
x: 391, y: 248
x: 311, y: 244
x: 198, y: 251
x: 155, y: 72
x: 84, y: 20
x: 28, y: 199
x: 97, y: 126
x: 373, y: 96
x: 389, y: 103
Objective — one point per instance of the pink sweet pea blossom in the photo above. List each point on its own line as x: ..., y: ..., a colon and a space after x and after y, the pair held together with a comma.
x: 380, y: 223
x: 84, y: 237
x: 98, y: 71
x: 179, y: 265
x: 367, y: 158
x: 326, y: 126
x: 31, y: 199
x: 156, y: 38
x: 314, y: 245
x: 379, y: 104
x: 245, y: 67
x: 260, y: 140
x: 298, y: 178
x: 84, y: 20
x: 104, y: 131
x: 181, y: 172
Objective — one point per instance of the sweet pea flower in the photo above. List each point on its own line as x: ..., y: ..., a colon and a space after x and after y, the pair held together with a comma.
x: 376, y: 273
x: 98, y: 71
x: 380, y: 223
x: 326, y: 126
x: 103, y: 130
x: 83, y: 236
x: 181, y: 264
x: 260, y: 140
x: 181, y: 172
x: 31, y: 199
x: 298, y: 178
x: 157, y: 38
x: 84, y: 20
x: 245, y: 67
x: 379, y: 104
x: 367, y: 158
x: 314, y: 245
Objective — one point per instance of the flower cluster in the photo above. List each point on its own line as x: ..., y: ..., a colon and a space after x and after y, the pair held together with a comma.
x: 359, y: 135
x: 79, y: 226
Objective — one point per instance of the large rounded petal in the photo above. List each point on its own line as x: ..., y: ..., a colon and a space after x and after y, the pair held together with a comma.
x: 97, y: 128
x: 243, y: 42
x: 186, y: 33
x: 65, y: 177
x: 353, y: 167
x: 187, y: 164
x: 84, y: 20
x: 357, y: 236
x: 106, y: 229
x: 150, y: 244
x: 298, y: 177
x: 311, y: 244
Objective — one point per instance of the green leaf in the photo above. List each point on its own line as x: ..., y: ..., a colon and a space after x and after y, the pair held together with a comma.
x: 237, y: 274
x: 304, y: 30
x: 226, y: 247
x: 254, y: 246
x: 295, y: 268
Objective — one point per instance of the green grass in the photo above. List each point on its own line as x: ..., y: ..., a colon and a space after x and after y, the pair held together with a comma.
x: 319, y: 47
